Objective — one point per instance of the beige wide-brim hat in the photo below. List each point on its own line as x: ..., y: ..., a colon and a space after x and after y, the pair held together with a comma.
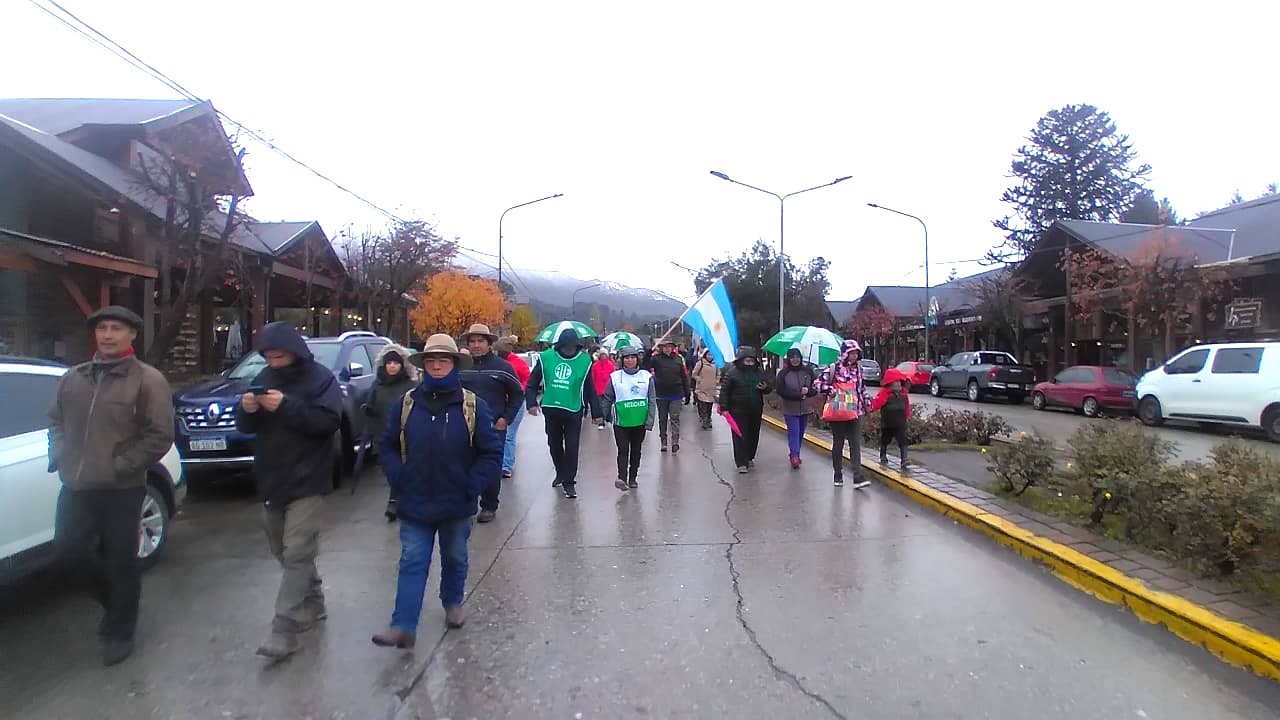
x: 480, y: 329
x: 438, y: 344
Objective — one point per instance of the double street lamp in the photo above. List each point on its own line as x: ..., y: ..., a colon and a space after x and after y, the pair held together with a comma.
x: 504, y: 215
x: 782, y: 225
x: 928, y: 301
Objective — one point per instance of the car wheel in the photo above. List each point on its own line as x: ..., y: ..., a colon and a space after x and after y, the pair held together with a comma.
x: 1090, y: 407
x: 935, y: 388
x: 1149, y: 412
x: 153, y: 526
x: 975, y: 394
x: 1271, y: 424
x: 1037, y: 401
x: 1017, y: 399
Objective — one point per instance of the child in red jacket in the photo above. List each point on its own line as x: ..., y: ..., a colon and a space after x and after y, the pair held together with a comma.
x: 894, y: 404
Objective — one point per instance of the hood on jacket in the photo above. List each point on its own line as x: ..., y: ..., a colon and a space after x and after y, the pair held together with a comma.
x: 793, y: 353
x: 281, y: 335
x: 568, y: 342
x: 380, y: 360
x: 849, y: 347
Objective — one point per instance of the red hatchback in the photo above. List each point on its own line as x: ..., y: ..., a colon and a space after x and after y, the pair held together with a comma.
x: 1091, y: 389
x: 919, y: 372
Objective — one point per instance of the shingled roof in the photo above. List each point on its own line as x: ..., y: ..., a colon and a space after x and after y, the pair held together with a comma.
x: 59, y: 116
x: 906, y: 301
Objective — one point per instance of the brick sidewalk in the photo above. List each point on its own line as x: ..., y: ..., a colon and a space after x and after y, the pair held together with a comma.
x: 1213, y: 594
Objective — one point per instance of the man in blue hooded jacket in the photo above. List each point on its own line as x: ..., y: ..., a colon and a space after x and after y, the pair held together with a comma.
x: 437, y: 461
x: 296, y: 422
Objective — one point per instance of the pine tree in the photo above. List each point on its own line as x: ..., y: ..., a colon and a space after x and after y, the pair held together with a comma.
x: 1076, y: 166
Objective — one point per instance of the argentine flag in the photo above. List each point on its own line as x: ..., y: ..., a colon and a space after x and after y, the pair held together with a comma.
x: 711, y: 318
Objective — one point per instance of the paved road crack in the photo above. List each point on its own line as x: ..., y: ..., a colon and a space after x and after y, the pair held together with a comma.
x: 786, y: 675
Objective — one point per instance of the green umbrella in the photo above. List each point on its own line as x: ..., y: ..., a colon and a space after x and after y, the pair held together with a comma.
x: 818, y: 345
x: 615, y: 340
x: 551, y: 333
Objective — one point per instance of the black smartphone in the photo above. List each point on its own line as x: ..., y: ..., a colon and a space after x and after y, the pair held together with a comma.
x: 257, y: 390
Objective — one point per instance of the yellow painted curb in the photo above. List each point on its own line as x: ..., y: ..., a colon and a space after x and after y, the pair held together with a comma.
x: 1231, y: 641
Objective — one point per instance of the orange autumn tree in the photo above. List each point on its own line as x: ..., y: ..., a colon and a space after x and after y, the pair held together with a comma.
x: 873, y: 323
x: 454, y: 300
x: 524, y: 324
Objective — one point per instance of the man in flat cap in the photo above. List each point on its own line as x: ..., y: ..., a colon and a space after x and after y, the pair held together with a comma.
x: 112, y: 419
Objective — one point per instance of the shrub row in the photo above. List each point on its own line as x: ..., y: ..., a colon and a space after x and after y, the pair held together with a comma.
x: 1221, y: 513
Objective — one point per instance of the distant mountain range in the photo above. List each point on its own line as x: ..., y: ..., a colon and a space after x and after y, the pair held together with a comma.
x: 551, y: 295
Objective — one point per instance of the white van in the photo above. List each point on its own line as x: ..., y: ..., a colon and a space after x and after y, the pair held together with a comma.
x: 1228, y: 383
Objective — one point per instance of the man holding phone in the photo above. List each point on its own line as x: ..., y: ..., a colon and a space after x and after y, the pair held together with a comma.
x: 295, y: 409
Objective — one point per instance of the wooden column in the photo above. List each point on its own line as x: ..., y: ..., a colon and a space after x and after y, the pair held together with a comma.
x: 260, y: 313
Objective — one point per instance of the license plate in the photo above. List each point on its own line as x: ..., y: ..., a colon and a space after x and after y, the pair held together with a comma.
x: 209, y: 445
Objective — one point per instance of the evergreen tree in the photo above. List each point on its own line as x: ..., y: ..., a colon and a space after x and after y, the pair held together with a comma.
x: 1076, y: 166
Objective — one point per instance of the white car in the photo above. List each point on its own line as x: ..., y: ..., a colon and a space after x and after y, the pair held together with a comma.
x: 1229, y: 383
x: 29, y: 492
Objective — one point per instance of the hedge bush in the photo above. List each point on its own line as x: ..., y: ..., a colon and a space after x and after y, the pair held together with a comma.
x: 948, y: 425
x: 1020, y: 465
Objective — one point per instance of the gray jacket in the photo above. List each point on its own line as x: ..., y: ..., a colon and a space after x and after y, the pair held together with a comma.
x: 110, y: 423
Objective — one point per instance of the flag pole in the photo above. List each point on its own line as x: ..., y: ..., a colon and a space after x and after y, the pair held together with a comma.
x: 686, y: 311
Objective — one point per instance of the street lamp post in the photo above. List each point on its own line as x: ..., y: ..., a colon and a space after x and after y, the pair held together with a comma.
x: 928, y: 302
x: 573, y: 303
x: 504, y: 215
x: 782, y: 225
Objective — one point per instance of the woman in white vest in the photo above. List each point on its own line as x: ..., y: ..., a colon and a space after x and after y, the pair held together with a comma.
x: 631, y: 404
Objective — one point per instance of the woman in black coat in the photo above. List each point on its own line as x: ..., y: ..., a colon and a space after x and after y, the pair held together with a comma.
x: 742, y: 397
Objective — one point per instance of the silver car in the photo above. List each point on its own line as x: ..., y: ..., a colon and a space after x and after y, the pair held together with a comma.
x: 871, y: 372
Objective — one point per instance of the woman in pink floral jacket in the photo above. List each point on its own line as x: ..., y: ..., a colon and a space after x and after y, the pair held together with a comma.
x: 847, y: 374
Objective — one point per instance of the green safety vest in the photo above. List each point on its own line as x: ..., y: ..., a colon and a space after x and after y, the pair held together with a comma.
x: 630, y: 397
x: 563, y: 379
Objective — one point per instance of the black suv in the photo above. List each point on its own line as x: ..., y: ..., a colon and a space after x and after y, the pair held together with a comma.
x: 204, y: 415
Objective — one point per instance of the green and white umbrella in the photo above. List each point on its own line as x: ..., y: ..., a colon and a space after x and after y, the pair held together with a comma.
x: 615, y: 340
x: 552, y: 332
x: 818, y: 345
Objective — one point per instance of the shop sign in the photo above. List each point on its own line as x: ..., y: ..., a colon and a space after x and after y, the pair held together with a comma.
x: 1244, y: 314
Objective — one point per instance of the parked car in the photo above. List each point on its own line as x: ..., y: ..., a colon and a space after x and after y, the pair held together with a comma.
x: 1229, y: 383
x: 1091, y: 389
x: 871, y: 372
x: 919, y: 373
x: 29, y: 492
x: 205, y: 414
x: 981, y: 374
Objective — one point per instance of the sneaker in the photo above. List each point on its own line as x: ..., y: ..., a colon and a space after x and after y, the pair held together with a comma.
x: 860, y: 483
x: 390, y: 512
x: 555, y: 483
x: 115, y: 652
x: 506, y: 474
x: 632, y: 484
x: 795, y: 462
x: 486, y: 516
x: 664, y: 446
x: 751, y: 464
x: 454, y: 617
x: 839, y: 480
x: 742, y: 469
x: 675, y: 448
x: 279, y: 646
x: 570, y: 492
x: 620, y: 484
x: 884, y: 459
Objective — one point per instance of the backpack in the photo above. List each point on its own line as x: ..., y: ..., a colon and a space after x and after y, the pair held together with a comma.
x: 468, y: 414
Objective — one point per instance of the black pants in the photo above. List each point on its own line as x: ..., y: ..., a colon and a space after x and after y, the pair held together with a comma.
x: 893, y: 433
x: 564, y: 430
x: 630, y: 442
x: 850, y: 430
x: 489, y: 497
x: 744, y: 447
x: 96, y: 537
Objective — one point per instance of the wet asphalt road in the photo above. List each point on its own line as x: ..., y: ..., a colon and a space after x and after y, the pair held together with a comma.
x: 1192, y: 441
x: 704, y: 594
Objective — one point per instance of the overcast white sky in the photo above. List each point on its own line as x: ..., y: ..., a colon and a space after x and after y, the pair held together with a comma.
x: 457, y: 110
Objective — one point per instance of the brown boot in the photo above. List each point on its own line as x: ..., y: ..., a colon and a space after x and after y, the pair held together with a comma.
x: 454, y: 617
x: 392, y: 637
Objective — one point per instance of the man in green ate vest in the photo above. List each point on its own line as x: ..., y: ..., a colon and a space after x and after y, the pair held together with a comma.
x: 559, y: 386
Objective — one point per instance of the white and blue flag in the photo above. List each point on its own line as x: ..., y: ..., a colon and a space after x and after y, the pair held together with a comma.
x: 711, y: 319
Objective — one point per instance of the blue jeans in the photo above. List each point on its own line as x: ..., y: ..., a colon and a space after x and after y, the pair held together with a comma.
x: 795, y: 432
x: 416, y: 542
x: 509, y: 450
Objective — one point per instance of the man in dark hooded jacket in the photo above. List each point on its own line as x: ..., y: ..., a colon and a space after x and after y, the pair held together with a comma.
x: 559, y: 384
x: 493, y: 380
x: 296, y: 419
